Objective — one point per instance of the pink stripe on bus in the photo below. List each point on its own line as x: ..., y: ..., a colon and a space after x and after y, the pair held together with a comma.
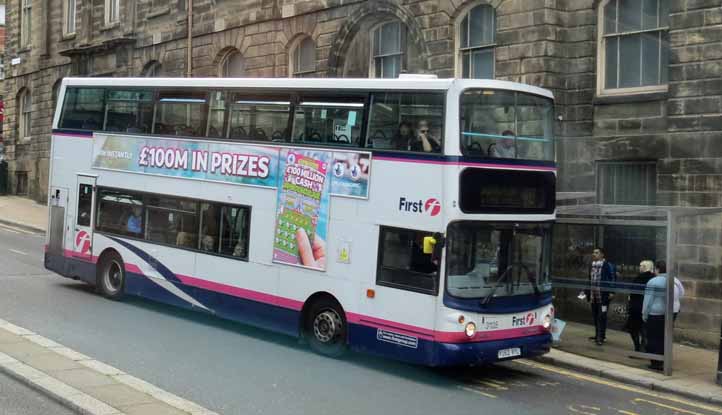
x: 467, y: 164
x: 241, y: 292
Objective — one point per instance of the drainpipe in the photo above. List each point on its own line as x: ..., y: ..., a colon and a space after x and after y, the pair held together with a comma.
x: 719, y: 360
x: 189, y: 55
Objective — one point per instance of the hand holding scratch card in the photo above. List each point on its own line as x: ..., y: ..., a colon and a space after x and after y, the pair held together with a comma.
x: 299, y: 207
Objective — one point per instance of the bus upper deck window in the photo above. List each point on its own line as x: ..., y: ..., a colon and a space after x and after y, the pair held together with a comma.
x: 406, y: 122
x: 181, y: 113
x: 506, y: 124
x: 83, y: 109
x: 329, y: 120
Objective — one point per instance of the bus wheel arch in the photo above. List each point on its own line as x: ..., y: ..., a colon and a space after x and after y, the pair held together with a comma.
x: 110, y: 274
x: 323, y: 324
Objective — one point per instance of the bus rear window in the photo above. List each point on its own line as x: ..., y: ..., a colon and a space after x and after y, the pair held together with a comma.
x: 83, y: 109
x: 504, y: 191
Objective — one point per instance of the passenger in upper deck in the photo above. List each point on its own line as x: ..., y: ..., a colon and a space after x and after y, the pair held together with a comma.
x: 506, y: 148
x: 423, y: 140
x: 404, y: 136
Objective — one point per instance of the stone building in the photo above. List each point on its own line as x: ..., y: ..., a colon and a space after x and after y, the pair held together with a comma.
x: 638, y: 83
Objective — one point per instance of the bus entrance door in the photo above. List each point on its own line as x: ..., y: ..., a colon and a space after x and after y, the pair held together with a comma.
x: 84, y: 218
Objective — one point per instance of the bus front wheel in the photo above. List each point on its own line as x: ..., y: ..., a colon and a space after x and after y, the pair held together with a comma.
x: 111, y: 276
x: 325, y: 328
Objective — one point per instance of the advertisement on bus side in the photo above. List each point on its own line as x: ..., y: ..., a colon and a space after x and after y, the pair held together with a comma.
x: 302, y: 209
x: 242, y: 164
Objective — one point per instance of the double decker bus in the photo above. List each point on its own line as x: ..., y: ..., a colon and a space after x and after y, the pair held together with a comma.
x: 408, y: 218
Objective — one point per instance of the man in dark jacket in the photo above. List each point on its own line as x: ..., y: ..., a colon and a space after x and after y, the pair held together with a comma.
x: 601, y: 278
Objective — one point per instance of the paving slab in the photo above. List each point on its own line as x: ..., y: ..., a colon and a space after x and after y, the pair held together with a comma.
x: 119, y: 395
x: 82, y: 378
x: 151, y: 409
x: 50, y: 362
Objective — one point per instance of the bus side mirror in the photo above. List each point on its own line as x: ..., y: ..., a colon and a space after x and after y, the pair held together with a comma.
x: 429, y: 244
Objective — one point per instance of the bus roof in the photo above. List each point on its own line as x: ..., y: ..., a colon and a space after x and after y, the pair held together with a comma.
x: 403, y: 83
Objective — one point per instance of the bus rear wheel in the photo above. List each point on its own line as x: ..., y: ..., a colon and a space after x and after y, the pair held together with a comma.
x: 325, y: 328
x: 111, y: 276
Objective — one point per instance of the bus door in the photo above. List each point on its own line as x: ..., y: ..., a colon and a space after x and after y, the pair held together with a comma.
x: 403, y: 306
x: 84, y: 218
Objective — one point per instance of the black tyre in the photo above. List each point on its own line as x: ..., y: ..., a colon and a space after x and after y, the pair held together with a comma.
x: 111, y: 276
x: 325, y: 328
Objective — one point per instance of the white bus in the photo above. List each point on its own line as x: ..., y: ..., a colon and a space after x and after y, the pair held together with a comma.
x: 408, y: 218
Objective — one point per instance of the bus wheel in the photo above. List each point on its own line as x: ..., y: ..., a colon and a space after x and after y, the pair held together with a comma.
x: 111, y: 277
x: 325, y: 328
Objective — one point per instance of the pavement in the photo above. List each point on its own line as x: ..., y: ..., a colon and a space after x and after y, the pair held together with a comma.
x: 17, y: 398
x: 88, y: 386
x: 23, y: 213
x: 81, y: 383
x: 693, y: 375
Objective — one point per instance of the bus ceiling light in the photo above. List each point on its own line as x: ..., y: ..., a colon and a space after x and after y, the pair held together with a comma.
x: 418, y: 76
x: 470, y: 329
x: 547, y: 322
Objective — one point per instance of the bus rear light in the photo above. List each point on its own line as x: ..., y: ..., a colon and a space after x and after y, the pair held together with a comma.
x: 370, y: 293
x: 470, y: 329
x: 461, y: 319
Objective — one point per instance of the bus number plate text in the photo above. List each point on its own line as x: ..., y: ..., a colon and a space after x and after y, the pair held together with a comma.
x: 507, y: 353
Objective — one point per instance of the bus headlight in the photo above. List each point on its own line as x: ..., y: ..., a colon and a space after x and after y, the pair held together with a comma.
x: 470, y: 329
x: 547, y: 322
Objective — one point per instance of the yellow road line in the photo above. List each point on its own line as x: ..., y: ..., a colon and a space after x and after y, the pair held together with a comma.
x: 582, y: 409
x: 617, y: 385
x: 491, y: 384
x: 665, y: 406
x: 468, y: 389
x: 626, y: 412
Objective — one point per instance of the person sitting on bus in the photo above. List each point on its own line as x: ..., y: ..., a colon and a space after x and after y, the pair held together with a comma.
x: 423, y: 140
x: 506, y: 148
x: 404, y: 136
x: 134, y: 224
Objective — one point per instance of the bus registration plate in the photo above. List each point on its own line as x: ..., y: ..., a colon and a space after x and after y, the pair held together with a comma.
x: 507, y: 353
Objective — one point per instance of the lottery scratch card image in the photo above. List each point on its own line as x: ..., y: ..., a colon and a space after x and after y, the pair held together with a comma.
x: 300, y: 204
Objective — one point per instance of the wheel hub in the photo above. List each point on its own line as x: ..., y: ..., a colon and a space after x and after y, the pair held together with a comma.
x: 327, y: 326
x: 114, y: 276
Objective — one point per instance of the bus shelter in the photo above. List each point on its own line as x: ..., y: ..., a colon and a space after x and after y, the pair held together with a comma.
x: 688, y: 239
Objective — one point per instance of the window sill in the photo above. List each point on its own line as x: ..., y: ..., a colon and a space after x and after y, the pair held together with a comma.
x: 69, y: 36
x: 631, y: 97
x: 157, y: 11
x: 109, y: 26
x: 25, y: 49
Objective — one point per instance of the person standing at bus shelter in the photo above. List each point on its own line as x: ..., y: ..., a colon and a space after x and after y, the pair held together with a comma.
x: 654, y: 310
x: 601, y: 276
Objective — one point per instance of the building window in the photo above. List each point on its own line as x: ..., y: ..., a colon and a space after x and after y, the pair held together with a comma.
x: 112, y: 11
x: 303, y: 58
x: 627, y: 183
x: 153, y: 70
x: 477, y: 37
x: 388, y: 50
x: 69, y: 21
x: 24, y: 105
x: 634, y: 46
x: 2, y: 66
x: 232, y: 65
x: 26, y: 22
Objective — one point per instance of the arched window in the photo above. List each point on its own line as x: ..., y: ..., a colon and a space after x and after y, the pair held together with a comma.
x: 476, y: 40
x: 24, y: 112
x: 303, y: 58
x: 153, y: 69
x: 388, y: 49
x: 633, y: 33
x: 232, y: 65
